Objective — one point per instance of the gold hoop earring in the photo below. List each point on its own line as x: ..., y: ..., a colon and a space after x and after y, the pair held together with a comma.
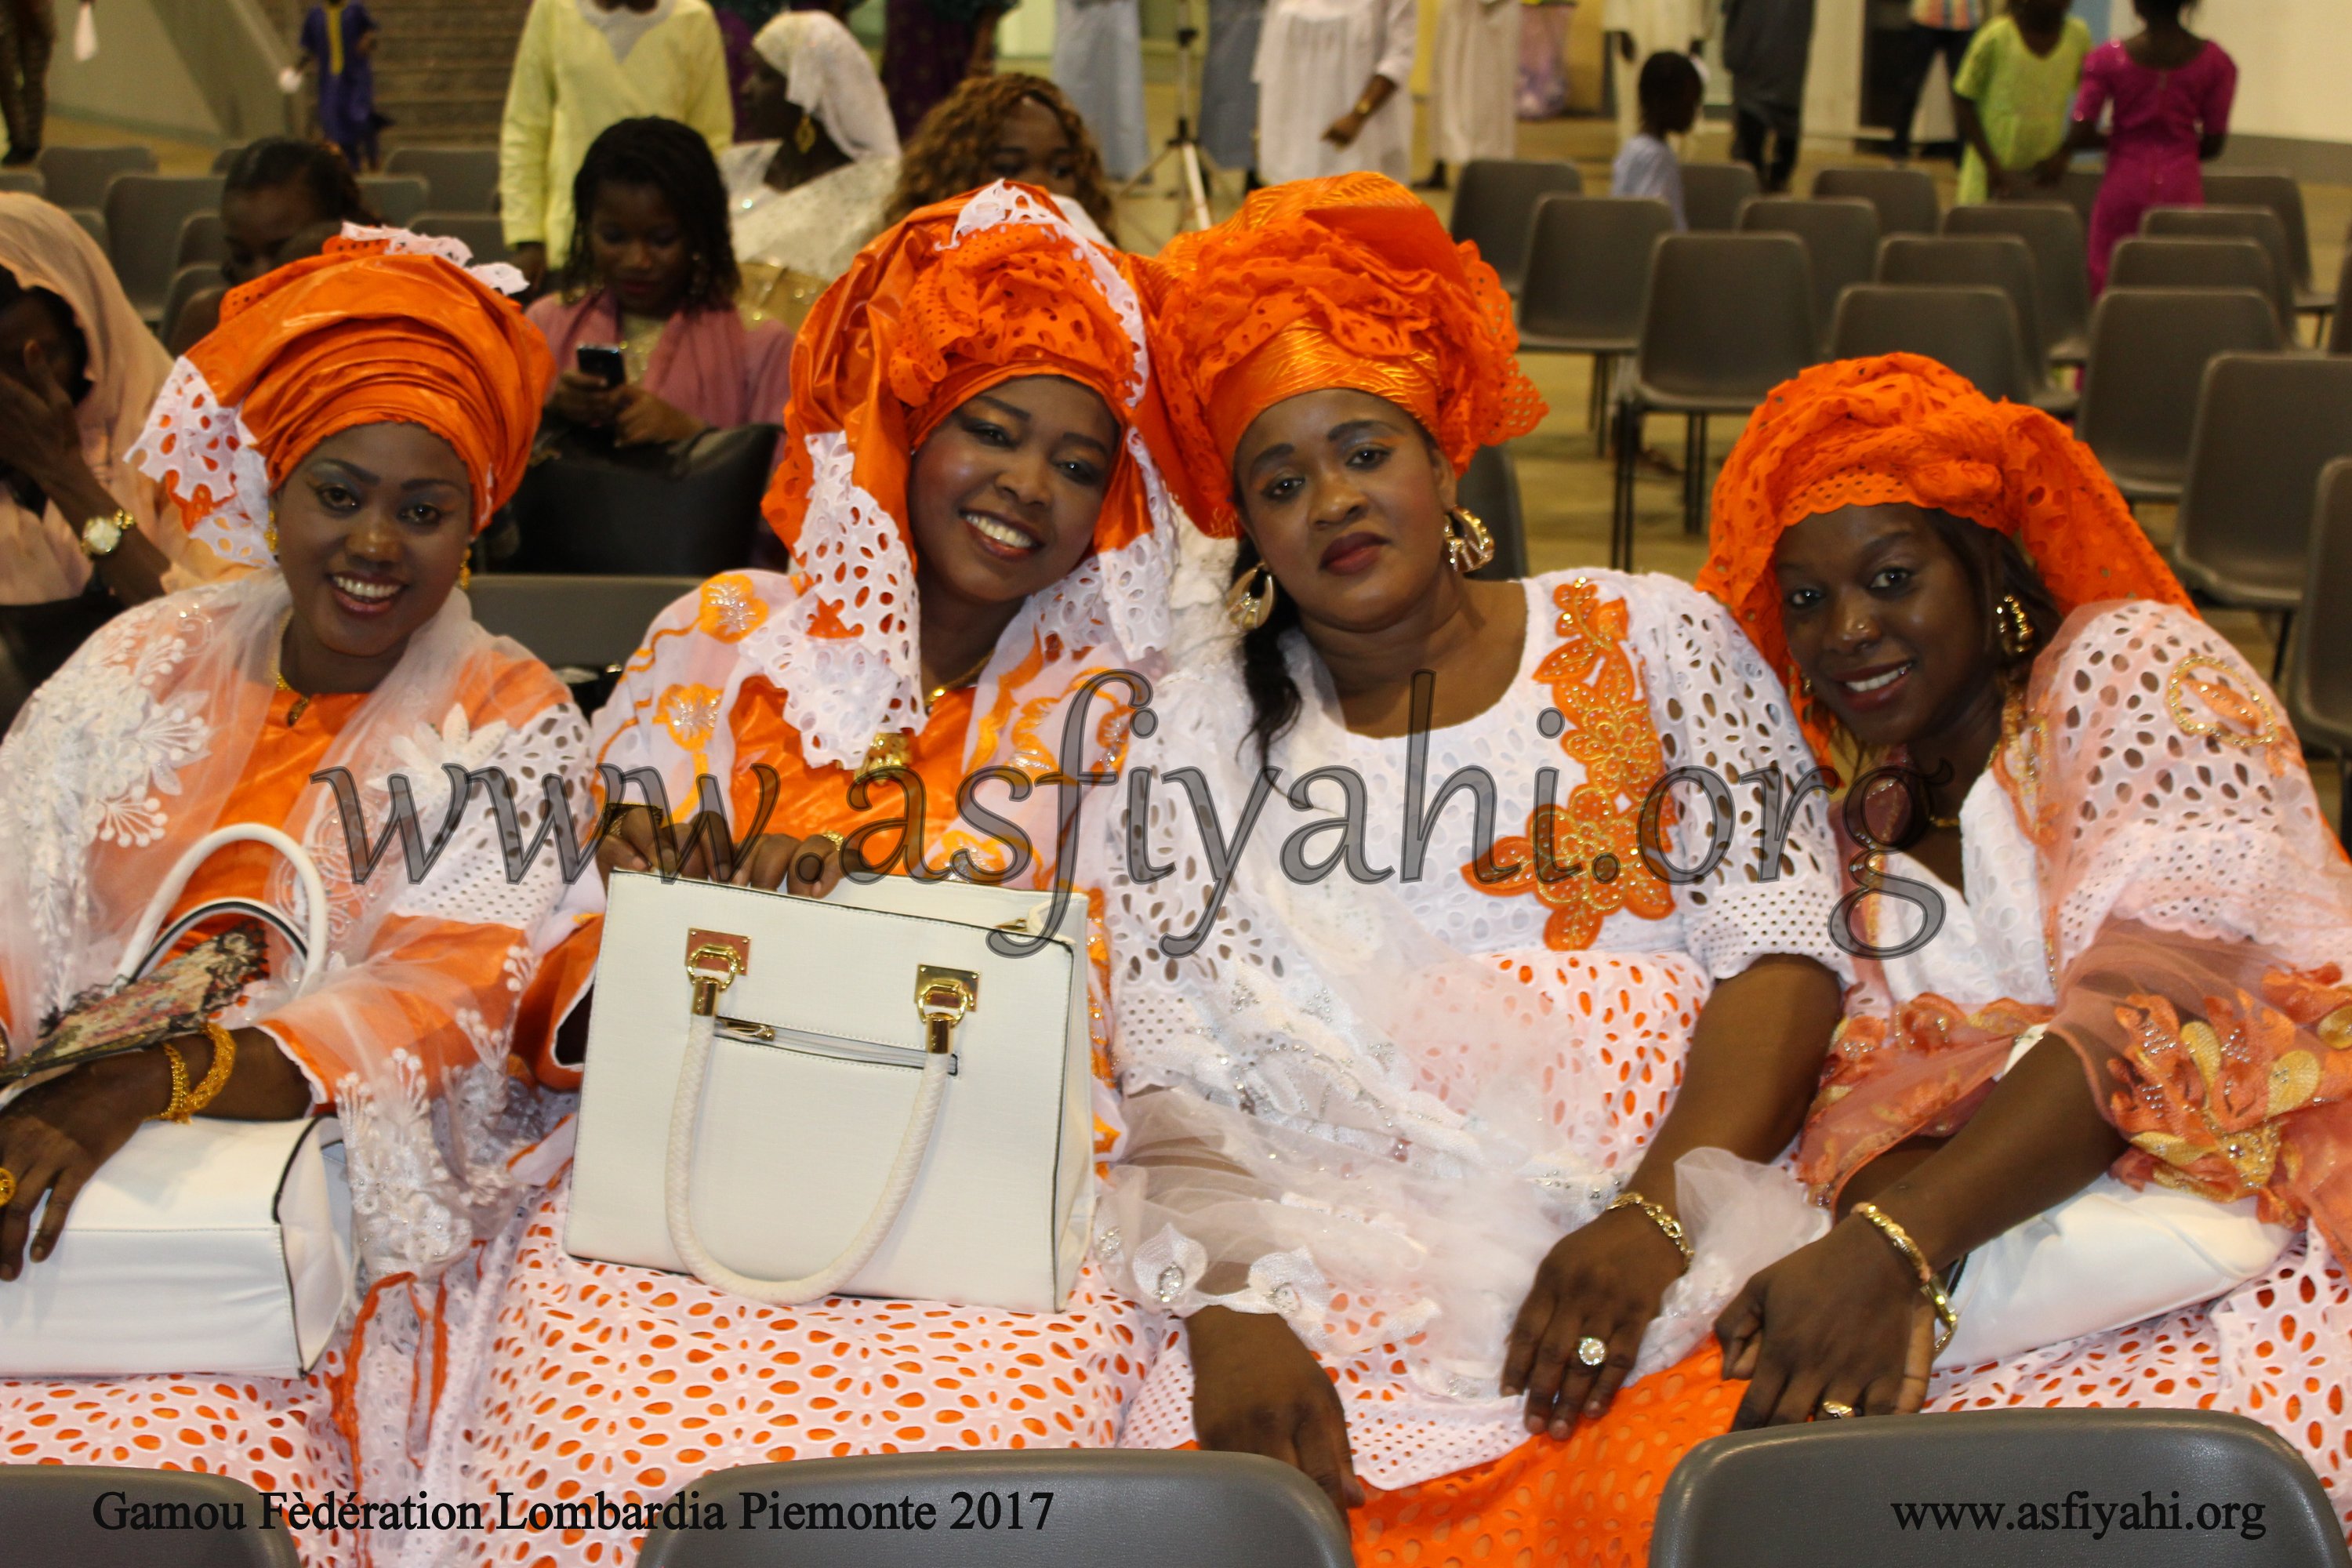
x: 1468, y: 544
x: 1800, y: 682
x: 1250, y: 600
x: 2013, y: 627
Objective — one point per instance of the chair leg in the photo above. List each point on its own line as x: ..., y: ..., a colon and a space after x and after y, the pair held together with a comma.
x: 1695, y: 473
x: 1597, y: 407
x: 2278, y: 655
x: 1628, y: 423
x: 2343, y: 799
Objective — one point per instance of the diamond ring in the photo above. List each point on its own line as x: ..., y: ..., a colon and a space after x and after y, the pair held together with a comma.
x: 1590, y: 1351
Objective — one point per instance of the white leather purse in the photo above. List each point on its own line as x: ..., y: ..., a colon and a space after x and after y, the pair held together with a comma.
x: 791, y: 1098
x: 220, y: 1248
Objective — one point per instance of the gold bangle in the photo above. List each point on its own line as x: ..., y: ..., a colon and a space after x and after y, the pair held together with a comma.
x: 1947, y: 1320
x: 177, y: 1109
x: 1365, y: 111
x: 216, y: 1076
x: 1667, y: 1223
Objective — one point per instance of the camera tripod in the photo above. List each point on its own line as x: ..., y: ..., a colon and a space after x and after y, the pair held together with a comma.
x: 1184, y: 147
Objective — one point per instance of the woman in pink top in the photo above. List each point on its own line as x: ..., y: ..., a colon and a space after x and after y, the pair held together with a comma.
x: 2171, y: 91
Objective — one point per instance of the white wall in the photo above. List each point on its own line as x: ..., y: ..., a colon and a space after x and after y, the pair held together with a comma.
x: 2294, y: 62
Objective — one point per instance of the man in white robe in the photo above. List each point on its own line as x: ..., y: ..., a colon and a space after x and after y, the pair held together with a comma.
x: 1099, y: 64
x: 1333, y: 80
x: 1474, y: 84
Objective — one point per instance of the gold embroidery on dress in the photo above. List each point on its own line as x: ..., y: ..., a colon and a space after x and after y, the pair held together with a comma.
x: 2233, y: 717
x: 1583, y: 859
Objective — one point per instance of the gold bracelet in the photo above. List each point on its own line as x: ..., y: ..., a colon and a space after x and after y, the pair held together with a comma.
x: 217, y: 1075
x: 177, y: 1110
x: 1947, y: 1321
x: 1667, y: 1223
x: 1365, y: 111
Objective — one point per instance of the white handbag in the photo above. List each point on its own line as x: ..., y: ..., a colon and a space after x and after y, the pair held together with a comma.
x: 791, y: 1097
x: 220, y: 1248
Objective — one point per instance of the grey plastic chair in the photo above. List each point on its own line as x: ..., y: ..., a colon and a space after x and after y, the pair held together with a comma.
x: 2318, y: 690
x: 1727, y: 318
x: 2150, y: 348
x: 2283, y: 194
x: 46, y: 1517
x: 2222, y: 263
x: 143, y: 214
x: 464, y: 179
x: 2339, y: 329
x: 226, y: 157
x: 1840, y: 236
x: 24, y: 182
x: 1905, y: 198
x: 203, y: 239
x: 1587, y: 269
x: 2001, y: 261
x: 2259, y: 224
x: 2057, y: 236
x: 92, y: 221
x: 1495, y: 206
x: 2266, y: 426
x: 2080, y: 190
x: 187, y: 283
x: 396, y: 198
x: 1139, y: 1510
x: 78, y: 177
x: 1911, y: 1491
x: 581, y: 623
x: 1973, y: 331
x: 1490, y: 490
x: 1713, y: 195
x: 484, y: 234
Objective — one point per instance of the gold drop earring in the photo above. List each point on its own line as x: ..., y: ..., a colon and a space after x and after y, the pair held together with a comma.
x: 1468, y: 544
x: 2013, y: 627
x: 1250, y: 600
x: 269, y: 530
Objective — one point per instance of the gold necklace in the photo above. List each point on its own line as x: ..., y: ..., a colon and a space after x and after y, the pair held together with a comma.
x: 277, y: 672
x: 931, y: 696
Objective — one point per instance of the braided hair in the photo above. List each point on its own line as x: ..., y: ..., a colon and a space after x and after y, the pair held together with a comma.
x: 947, y: 154
x: 275, y: 162
x: 675, y: 160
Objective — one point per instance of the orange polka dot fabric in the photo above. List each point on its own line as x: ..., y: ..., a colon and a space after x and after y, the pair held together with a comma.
x: 634, y: 1381
x: 273, y: 1435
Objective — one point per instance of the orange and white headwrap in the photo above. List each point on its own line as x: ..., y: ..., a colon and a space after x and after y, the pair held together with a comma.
x: 1902, y: 427
x: 960, y: 297
x: 384, y: 327
x: 1346, y: 281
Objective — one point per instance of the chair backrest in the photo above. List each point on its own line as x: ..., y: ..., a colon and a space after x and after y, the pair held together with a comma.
x: 227, y: 156
x: 688, y: 510
x: 1495, y: 204
x: 1143, y: 1509
x: 2148, y: 352
x: 143, y: 214
x: 92, y: 221
x: 2339, y: 325
x: 203, y: 239
x: 2318, y: 690
x: 464, y: 179
x: 586, y: 622
x: 1489, y: 490
x: 2055, y: 232
x: 2145, y: 262
x: 187, y: 283
x: 1713, y: 195
x: 59, y: 1513
x: 1589, y: 266
x: 2272, y: 188
x: 396, y: 198
x: 2001, y: 261
x: 1840, y: 234
x: 2080, y: 190
x: 78, y: 177
x: 1973, y: 331
x: 484, y: 234
x: 1905, y: 1492
x: 1726, y: 315
x: 2266, y: 426
x: 2259, y: 224
x: 24, y: 182
x: 1905, y: 198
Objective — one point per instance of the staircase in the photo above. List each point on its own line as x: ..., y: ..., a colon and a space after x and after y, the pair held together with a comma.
x: 441, y: 65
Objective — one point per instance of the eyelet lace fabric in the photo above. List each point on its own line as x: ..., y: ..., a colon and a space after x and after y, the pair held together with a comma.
x: 1372, y: 1107
x: 205, y: 455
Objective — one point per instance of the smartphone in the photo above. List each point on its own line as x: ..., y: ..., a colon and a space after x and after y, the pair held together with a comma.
x: 602, y: 363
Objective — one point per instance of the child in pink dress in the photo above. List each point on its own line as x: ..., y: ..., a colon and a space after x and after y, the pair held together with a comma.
x: 2171, y: 91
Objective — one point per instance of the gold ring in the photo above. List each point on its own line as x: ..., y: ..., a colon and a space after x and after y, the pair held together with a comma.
x: 8, y: 1186
x: 1591, y: 1351
x: 838, y: 841
x: 1835, y: 1410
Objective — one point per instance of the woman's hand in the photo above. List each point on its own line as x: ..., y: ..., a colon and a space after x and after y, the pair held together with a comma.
x: 37, y: 428
x: 54, y: 1137
x: 1257, y: 1389
x: 1603, y: 1282
x: 1840, y: 1320
x: 636, y: 841
x: 641, y: 419
x: 583, y: 399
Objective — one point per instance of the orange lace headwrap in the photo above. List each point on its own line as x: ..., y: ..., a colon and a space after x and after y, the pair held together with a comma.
x: 384, y: 328
x: 1901, y: 427
x: 1348, y: 281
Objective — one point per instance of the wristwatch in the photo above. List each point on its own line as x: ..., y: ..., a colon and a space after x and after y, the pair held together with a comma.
x: 101, y: 536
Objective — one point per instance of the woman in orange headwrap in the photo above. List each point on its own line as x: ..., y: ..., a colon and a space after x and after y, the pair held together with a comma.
x: 2094, y: 1059
x: 1374, y: 1116
x: 349, y: 426
x: 978, y: 529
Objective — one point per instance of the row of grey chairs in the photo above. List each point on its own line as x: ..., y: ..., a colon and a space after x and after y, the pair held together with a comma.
x: 462, y: 179
x: 203, y: 247
x: 1895, y: 1491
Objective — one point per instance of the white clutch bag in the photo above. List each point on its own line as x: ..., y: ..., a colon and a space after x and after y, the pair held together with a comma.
x: 219, y: 1247
x: 791, y: 1098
